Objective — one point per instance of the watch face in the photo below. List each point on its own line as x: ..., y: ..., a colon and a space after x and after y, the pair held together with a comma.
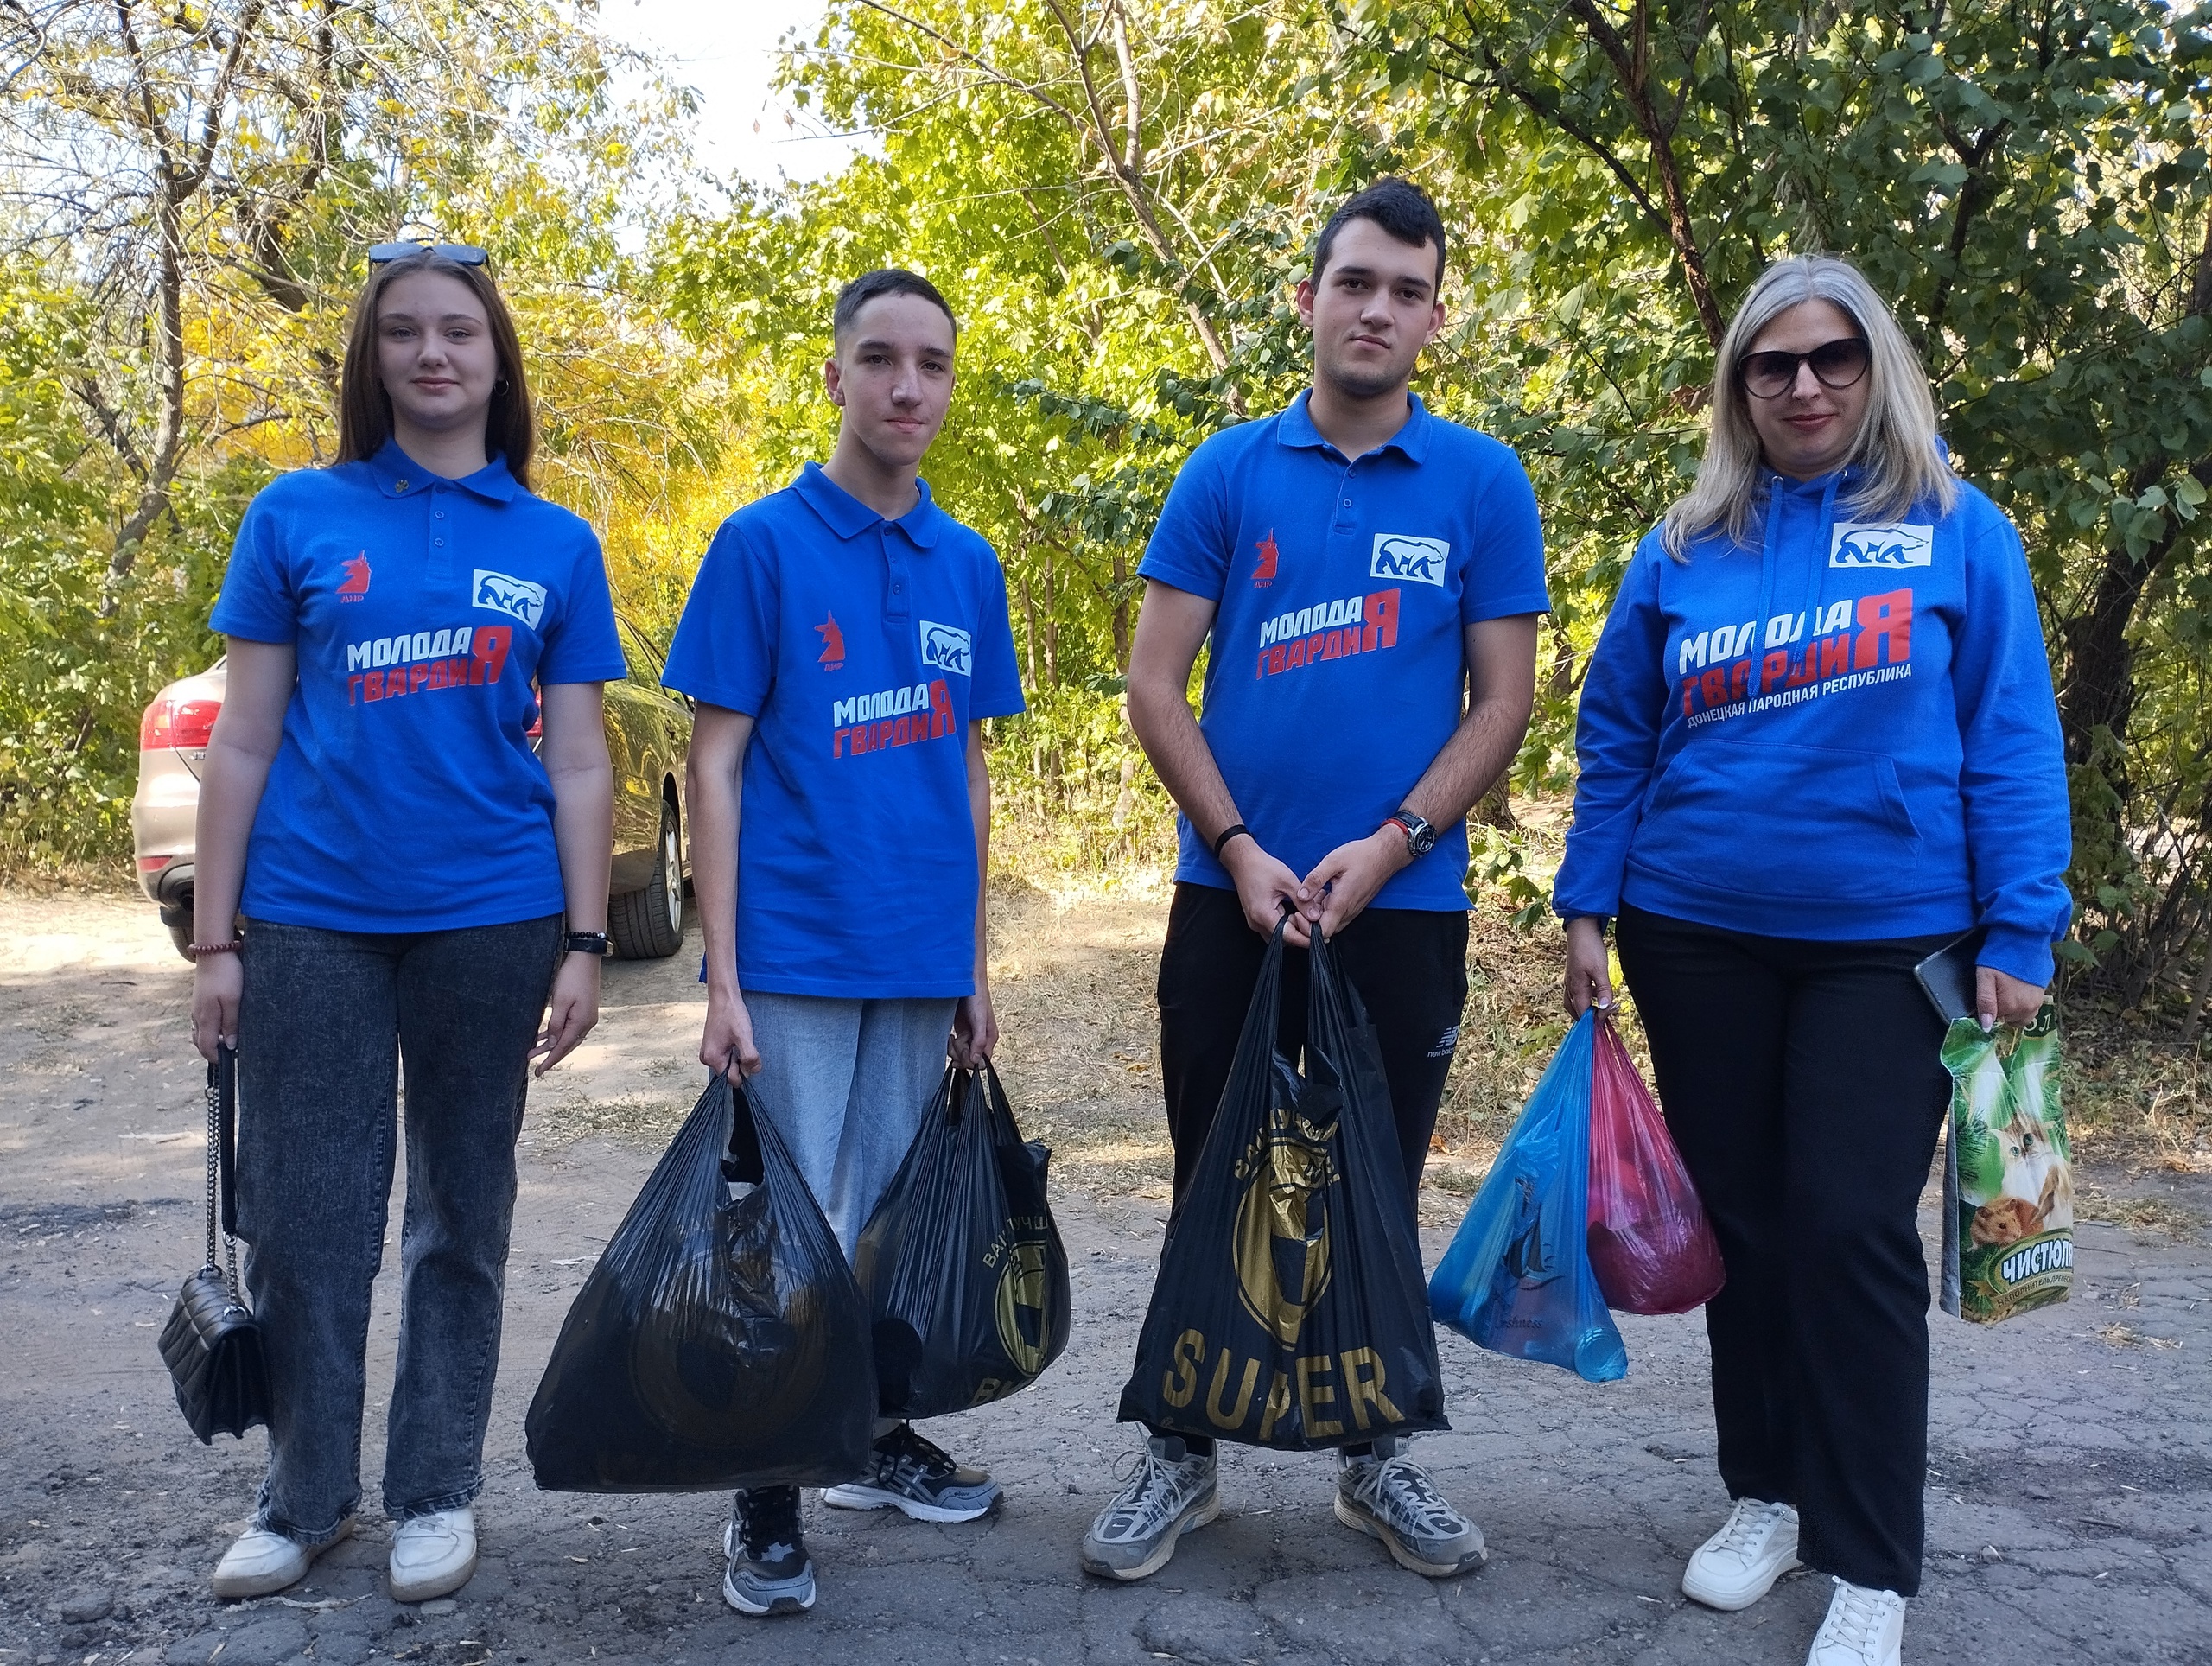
x: 1425, y: 841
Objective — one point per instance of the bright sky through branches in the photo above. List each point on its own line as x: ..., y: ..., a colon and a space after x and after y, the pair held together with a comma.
x: 726, y: 51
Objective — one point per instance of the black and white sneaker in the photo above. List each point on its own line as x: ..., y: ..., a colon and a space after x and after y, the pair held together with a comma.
x: 916, y: 1476
x: 770, y: 1572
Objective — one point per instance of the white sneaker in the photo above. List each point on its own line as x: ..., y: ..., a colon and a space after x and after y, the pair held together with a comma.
x: 1864, y: 1627
x: 263, y: 1562
x: 433, y: 1555
x: 1740, y: 1564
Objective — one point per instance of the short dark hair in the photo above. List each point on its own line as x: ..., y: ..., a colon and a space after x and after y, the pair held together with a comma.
x: 1401, y: 209
x: 889, y: 280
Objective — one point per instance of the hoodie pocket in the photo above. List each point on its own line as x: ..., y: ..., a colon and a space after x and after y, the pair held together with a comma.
x: 1768, y: 819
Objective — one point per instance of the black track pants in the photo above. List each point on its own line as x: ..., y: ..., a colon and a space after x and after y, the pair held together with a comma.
x: 1409, y: 966
x: 1802, y: 1084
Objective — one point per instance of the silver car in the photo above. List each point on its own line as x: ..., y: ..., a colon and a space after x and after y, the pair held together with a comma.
x: 647, y: 730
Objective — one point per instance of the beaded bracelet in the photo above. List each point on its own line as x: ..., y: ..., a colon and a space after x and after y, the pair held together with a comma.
x: 199, y: 949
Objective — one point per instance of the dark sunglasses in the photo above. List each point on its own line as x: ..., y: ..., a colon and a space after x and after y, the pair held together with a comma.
x: 1837, y: 364
x: 461, y: 254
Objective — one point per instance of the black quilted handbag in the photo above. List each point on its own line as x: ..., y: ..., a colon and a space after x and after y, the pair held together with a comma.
x: 212, y: 1344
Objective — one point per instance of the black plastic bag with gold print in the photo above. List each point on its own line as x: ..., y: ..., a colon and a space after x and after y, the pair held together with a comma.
x: 1290, y: 1310
x: 965, y: 1276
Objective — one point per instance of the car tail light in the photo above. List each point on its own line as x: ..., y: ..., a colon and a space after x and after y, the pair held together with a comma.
x: 537, y: 729
x: 185, y: 724
x: 154, y: 864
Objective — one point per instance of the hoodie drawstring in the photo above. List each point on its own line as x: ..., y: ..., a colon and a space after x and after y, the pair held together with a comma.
x: 1769, y: 558
x: 1770, y: 561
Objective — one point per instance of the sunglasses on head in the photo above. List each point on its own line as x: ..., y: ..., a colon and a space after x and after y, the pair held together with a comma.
x: 1836, y: 364
x: 461, y: 254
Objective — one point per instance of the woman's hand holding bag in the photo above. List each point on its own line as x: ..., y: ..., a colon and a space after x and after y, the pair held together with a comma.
x: 1589, y: 966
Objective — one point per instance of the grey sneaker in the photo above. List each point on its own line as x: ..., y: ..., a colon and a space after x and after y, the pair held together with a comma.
x: 1171, y: 1494
x: 913, y: 1474
x: 770, y: 1572
x: 1388, y: 1496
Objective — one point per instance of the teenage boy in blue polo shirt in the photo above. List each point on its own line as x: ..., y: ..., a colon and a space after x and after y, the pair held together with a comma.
x: 843, y: 640
x: 1358, y: 564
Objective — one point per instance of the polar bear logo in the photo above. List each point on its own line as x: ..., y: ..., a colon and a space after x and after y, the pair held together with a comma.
x: 518, y: 598
x: 1883, y: 544
x: 947, y: 647
x: 1400, y: 556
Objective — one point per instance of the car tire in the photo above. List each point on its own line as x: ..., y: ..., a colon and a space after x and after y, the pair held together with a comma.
x: 648, y: 924
x: 180, y: 936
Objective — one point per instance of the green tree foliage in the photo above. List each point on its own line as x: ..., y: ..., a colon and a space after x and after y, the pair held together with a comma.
x: 1115, y: 198
x: 1119, y: 196
x: 2028, y: 182
x: 185, y: 195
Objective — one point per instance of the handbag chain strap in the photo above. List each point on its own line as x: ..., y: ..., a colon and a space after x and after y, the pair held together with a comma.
x: 214, y: 1156
x: 220, y: 1074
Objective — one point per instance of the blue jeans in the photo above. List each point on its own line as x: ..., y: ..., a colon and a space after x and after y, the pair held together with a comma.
x: 325, y: 1022
x: 846, y: 1083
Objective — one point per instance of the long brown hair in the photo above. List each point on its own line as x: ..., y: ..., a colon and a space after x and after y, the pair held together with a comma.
x: 364, y: 407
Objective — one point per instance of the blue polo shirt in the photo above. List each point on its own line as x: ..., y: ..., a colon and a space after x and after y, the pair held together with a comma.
x: 863, y: 647
x: 405, y: 795
x: 1342, y: 590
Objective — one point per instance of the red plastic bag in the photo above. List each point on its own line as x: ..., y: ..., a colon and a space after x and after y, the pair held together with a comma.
x: 1649, y: 1242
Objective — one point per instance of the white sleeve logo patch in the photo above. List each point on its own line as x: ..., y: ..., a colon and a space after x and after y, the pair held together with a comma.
x: 1400, y: 556
x: 1884, y: 545
x: 518, y: 598
x: 946, y: 647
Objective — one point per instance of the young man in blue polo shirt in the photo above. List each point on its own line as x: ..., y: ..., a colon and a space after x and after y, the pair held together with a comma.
x: 843, y: 640
x: 1358, y: 563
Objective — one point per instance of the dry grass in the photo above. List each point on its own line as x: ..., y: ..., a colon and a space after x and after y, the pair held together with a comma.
x: 1071, y: 977
x: 71, y: 878
x: 2144, y: 1104
x: 2139, y: 1214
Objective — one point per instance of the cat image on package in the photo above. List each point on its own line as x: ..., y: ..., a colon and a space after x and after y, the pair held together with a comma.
x: 2008, y: 1185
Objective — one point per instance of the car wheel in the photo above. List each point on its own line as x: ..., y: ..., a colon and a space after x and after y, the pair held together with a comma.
x: 181, y: 935
x: 648, y: 924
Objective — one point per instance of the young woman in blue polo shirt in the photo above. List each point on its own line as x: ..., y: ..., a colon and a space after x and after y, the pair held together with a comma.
x: 403, y: 863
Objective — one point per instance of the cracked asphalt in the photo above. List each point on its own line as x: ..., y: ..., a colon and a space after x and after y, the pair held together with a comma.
x: 2069, y: 1493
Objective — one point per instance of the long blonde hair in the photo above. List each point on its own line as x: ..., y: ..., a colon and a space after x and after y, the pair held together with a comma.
x: 1897, y: 446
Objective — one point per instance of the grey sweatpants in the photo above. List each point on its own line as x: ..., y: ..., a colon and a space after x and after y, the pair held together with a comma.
x: 846, y: 1083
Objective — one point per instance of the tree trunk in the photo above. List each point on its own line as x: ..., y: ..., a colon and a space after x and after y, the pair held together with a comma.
x: 1029, y: 614
x: 1051, y: 623
x: 1121, y: 613
x: 169, y: 374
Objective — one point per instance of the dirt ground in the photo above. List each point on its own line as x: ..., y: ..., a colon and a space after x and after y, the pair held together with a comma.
x: 2071, y: 1496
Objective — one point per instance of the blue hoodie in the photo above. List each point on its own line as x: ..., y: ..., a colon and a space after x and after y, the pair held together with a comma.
x: 1851, y: 737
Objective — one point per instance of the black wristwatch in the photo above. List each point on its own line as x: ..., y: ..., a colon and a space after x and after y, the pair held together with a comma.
x: 586, y: 942
x: 1420, y: 837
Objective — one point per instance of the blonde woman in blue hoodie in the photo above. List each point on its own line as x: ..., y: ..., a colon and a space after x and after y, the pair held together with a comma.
x: 1817, y: 743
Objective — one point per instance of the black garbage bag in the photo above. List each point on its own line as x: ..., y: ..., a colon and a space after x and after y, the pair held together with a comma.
x: 1290, y: 1309
x: 965, y: 1276
x: 721, y: 1341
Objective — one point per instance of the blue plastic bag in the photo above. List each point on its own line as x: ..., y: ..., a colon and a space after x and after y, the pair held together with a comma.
x: 1517, y: 1278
